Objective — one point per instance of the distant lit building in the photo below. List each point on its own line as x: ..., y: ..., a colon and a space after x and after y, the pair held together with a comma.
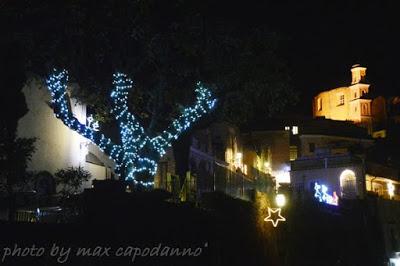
x: 270, y: 151
x: 356, y: 103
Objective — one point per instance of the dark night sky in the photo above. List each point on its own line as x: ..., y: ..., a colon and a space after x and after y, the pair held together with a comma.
x: 328, y: 37
x: 325, y: 38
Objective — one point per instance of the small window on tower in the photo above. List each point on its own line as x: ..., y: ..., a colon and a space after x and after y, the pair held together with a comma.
x: 293, y: 152
x: 365, y: 109
x: 311, y: 147
x: 341, y: 99
x: 319, y: 104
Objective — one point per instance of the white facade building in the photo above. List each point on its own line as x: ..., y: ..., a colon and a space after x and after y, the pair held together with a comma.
x: 57, y: 146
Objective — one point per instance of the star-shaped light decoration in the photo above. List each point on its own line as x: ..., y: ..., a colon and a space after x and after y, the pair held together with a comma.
x: 274, y: 221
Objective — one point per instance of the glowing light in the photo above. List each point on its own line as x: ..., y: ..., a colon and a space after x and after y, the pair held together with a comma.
x: 280, y: 200
x: 321, y: 193
x: 282, y: 176
x: 279, y: 216
x: 238, y: 160
x: 92, y: 123
x: 84, y: 148
x: 390, y: 188
x: 138, y: 152
x: 245, y: 169
x: 348, y: 183
x: 295, y: 130
x: 229, y: 155
x: 395, y: 261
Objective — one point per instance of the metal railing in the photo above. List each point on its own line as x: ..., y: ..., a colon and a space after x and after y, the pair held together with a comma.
x: 324, y: 162
x: 220, y: 176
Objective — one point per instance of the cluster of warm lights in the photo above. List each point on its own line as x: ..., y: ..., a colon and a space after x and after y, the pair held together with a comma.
x: 235, y: 160
x: 391, y: 189
x: 138, y: 152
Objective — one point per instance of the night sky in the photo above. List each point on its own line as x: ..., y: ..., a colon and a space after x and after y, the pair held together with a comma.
x: 327, y: 37
x: 323, y: 39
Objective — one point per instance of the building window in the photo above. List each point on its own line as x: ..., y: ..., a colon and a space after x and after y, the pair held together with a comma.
x: 295, y: 130
x: 355, y: 95
x: 341, y: 99
x: 365, y: 109
x: 319, y: 104
x: 293, y: 153
x: 363, y: 92
x: 287, y: 128
x: 311, y: 147
x: 229, y: 155
x: 348, y: 184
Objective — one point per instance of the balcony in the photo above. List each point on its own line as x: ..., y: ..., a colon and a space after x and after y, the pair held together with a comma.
x: 324, y: 162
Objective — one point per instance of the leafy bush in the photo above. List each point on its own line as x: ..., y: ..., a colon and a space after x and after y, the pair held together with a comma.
x: 71, y: 179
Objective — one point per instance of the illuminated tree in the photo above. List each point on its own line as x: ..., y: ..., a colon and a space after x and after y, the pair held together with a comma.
x: 137, y: 152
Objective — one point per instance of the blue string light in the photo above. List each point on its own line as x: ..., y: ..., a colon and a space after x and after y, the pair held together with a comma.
x: 138, y: 152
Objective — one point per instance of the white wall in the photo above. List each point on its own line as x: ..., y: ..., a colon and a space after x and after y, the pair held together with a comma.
x: 57, y: 146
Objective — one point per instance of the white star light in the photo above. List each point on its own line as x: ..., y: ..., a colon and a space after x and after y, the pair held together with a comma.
x: 274, y: 221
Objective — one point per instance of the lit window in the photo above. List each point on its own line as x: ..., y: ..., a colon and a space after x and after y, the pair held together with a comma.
x: 319, y: 104
x: 365, y: 109
x: 295, y: 130
x: 293, y: 153
x: 229, y: 155
x: 287, y: 128
x: 341, y: 99
x: 391, y: 189
x: 348, y: 184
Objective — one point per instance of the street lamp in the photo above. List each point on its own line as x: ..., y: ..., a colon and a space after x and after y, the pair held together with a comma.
x: 280, y: 200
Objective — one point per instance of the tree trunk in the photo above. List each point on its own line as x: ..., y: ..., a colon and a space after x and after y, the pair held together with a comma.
x: 181, y: 149
x: 158, y: 101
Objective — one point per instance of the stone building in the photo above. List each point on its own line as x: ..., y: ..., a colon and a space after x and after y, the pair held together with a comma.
x: 354, y: 103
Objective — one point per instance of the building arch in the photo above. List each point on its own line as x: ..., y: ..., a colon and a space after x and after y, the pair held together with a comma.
x: 348, y: 183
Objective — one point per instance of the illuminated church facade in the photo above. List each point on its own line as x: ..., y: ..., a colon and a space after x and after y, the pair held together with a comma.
x: 352, y: 103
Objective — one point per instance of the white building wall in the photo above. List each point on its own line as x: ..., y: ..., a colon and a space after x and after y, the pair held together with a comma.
x: 57, y: 146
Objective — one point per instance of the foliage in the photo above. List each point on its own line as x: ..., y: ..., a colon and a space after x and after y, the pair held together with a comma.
x: 14, y: 157
x: 166, y: 45
x: 71, y: 179
x: 44, y: 183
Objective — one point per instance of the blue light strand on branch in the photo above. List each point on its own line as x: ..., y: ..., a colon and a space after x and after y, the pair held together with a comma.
x: 189, y: 115
x: 138, y: 152
x: 57, y: 85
